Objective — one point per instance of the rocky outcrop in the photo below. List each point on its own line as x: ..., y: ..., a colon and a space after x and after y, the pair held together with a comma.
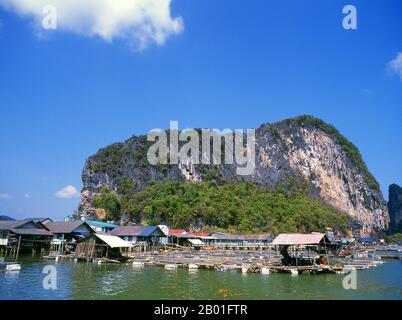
x: 304, y: 148
x: 395, y: 208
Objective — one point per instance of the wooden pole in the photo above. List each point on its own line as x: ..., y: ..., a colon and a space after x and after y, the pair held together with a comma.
x: 18, y: 248
x: 62, y: 244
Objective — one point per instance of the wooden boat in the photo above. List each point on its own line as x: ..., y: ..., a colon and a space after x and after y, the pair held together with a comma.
x: 10, y: 266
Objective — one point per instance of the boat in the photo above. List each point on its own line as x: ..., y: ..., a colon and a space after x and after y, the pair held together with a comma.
x: 10, y: 266
x: 265, y: 271
x: 192, y: 266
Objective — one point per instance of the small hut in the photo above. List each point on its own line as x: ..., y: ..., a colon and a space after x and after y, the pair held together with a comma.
x: 101, y: 246
x: 305, y: 249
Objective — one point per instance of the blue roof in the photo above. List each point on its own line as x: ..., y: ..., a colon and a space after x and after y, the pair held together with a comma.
x: 147, y: 231
x: 101, y: 224
x: 367, y: 239
x: 135, y: 231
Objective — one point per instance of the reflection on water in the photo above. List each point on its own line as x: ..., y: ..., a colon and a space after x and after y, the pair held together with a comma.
x: 92, y: 281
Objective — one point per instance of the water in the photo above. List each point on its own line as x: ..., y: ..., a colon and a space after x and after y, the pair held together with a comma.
x: 90, y: 281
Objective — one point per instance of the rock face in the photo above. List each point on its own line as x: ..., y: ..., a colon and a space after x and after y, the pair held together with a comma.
x: 395, y: 208
x: 302, y: 148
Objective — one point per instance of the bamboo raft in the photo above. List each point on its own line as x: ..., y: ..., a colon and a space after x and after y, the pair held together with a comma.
x: 234, y: 261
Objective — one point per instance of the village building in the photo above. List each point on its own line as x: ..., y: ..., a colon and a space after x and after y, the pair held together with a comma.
x: 101, y: 227
x: 24, y: 235
x: 225, y: 240
x: 195, y: 239
x: 101, y: 246
x: 303, y: 249
x: 140, y: 234
x: 66, y: 233
x: 41, y: 220
x: 69, y: 230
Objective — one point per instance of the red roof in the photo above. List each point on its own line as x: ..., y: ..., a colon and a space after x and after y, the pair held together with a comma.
x: 177, y: 231
x: 199, y: 234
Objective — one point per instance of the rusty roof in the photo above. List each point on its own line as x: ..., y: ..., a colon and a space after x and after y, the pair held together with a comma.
x: 286, y: 239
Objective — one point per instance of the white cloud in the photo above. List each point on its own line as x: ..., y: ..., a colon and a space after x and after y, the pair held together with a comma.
x: 5, y: 197
x: 68, y: 192
x: 139, y: 22
x: 395, y: 65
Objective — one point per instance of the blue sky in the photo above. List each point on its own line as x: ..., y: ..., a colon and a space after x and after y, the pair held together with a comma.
x: 233, y: 64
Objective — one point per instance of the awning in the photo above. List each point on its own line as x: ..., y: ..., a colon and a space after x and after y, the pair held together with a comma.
x: 300, y: 239
x: 113, y: 241
x: 196, y: 242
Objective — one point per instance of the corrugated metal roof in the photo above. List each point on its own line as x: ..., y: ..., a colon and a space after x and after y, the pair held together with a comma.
x: 113, y: 241
x: 225, y: 236
x: 241, y: 237
x: 196, y: 242
x: 7, y: 225
x: 31, y: 232
x: 177, y: 231
x: 299, y: 239
x: 134, y: 231
x: 256, y: 237
x: 39, y: 219
x: 65, y: 226
x: 199, y: 234
x: 101, y: 224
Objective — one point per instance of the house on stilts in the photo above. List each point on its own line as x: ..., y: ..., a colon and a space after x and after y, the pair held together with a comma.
x: 101, y: 247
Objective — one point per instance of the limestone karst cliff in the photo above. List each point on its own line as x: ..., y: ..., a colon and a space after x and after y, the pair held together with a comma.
x: 303, y: 148
x: 395, y: 208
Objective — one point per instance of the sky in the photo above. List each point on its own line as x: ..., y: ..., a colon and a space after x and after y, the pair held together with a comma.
x: 112, y: 69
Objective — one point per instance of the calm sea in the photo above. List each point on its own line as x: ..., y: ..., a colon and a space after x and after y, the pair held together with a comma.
x: 90, y: 281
